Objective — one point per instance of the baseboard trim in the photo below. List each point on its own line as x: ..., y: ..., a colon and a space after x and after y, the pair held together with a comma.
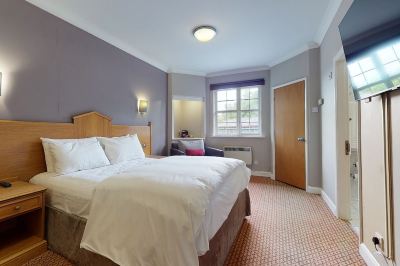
x: 314, y: 190
x: 367, y: 256
x: 261, y: 173
x: 329, y: 202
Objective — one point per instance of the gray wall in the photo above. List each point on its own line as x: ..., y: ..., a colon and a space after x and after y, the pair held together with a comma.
x: 261, y: 146
x: 184, y: 85
x: 306, y: 65
x: 53, y: 70
x: 330, y: 47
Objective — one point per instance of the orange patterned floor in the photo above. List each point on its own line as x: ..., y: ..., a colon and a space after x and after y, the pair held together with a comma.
x: 287, y: 227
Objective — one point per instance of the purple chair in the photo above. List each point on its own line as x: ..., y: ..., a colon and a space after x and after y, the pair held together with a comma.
x: 208, y: 151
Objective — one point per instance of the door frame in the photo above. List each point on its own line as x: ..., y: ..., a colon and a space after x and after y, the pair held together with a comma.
x: 343, y: 190
x: 306, y: 127
x: 343, y: 185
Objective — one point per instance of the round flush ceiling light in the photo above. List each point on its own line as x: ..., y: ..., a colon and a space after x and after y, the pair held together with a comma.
x: 204, y: 33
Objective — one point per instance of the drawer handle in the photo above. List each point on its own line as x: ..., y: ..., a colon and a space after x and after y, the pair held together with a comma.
x: 17, y: 208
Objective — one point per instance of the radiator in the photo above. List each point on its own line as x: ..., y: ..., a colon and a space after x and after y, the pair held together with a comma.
x: 241, y: 153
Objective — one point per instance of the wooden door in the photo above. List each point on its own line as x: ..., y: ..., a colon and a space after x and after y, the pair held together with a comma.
x: 289, y: 113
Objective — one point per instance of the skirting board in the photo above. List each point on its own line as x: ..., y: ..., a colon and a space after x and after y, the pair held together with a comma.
x: 314, y: 190
x: 262, y: 173
x: 367, y: 255
x: 329, y: 202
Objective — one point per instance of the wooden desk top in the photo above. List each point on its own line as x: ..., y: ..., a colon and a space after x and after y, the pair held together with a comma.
x: 18, y: 189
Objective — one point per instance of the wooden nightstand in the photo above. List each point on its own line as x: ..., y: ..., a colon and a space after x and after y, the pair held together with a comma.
x: 21, y: 223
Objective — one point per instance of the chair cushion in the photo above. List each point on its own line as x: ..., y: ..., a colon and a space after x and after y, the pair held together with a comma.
x: 197, y: 144
x: 194, y: 152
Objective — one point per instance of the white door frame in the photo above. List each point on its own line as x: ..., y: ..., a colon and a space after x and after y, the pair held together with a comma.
x: 343, y: 186
x: 306, y: 126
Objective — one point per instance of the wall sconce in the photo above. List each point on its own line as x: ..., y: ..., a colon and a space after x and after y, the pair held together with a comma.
x: 143, y: 106
x: 1, y: 75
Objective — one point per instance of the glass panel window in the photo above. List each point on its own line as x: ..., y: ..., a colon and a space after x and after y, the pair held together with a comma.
x: 372, y: 76
x: 354, y: 69
x: 387, y: 55
x: 390, y: 58
x: 237, y: 112
x: 359, y: 81
x: 366, y: 64
x: 397, y: 49
x: 221, y: 96
x: 393, y: 68
x: 363, y: 72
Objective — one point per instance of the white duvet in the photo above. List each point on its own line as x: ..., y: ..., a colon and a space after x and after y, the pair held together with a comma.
x: 154, y: 214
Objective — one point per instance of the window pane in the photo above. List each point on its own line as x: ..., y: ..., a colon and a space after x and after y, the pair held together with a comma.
x: 397, y: 49
x: 372, y: 76
x: 221, y: 126
x: 354, y: 69
x: 366, y: 64
x: 228, y: 129
x: 387, y: 55
x: 221, y: 118
x: 231, y: 94
x: 254, y: 104
x: 221, y: 96
x: 221, y: 106
x: 249, y: 129
x: 245, y: 117
x: 253, y: 116
x: 253, y: 93
x: 393, y: 68
x: 359, y: 81
x: 231, y: 105
x: 245, y: 93
x: 231, y: 117
x: 245, y: 105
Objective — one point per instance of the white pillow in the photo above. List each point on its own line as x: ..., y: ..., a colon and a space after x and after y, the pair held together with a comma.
x: 49, y: 154
x: 76, y: 156
x: 197, y: 144
x: 121, y: 149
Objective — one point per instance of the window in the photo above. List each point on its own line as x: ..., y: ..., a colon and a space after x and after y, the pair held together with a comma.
x: 363, y: 72
x: 237, y: 111
x: 390, y: 59
x: 376, y: 71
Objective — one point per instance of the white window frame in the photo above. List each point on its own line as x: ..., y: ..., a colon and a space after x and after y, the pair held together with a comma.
x: 238, y: 111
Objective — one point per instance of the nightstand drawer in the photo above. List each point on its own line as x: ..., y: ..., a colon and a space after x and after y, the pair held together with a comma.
x: 15, y: 207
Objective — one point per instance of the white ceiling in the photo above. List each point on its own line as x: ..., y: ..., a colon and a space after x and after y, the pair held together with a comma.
x: 251, y: 33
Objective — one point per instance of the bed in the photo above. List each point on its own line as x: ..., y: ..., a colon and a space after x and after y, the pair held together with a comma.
x: 70, y: 198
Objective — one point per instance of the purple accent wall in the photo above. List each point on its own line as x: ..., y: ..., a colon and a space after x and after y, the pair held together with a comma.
x: 53, y: 70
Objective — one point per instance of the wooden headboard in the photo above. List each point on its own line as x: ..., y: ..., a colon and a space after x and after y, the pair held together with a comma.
x: 21, y: 151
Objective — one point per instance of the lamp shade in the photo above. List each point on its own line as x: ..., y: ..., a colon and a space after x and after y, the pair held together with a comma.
x: 142, y: 106
x: 204, y: 33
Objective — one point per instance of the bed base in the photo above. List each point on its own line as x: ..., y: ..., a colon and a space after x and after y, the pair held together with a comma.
x: 65, y: 231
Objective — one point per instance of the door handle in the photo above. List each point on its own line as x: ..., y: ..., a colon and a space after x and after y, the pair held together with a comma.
x: 302, y: 139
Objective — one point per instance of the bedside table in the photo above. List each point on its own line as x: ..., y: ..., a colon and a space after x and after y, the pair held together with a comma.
x: 21, y: 223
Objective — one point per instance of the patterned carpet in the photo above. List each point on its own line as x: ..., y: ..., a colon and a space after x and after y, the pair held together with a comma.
x: 287, y: 227
x: 291, y: 227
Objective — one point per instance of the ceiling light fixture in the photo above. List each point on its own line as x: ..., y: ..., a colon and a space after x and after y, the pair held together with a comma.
x: 204, y: 33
